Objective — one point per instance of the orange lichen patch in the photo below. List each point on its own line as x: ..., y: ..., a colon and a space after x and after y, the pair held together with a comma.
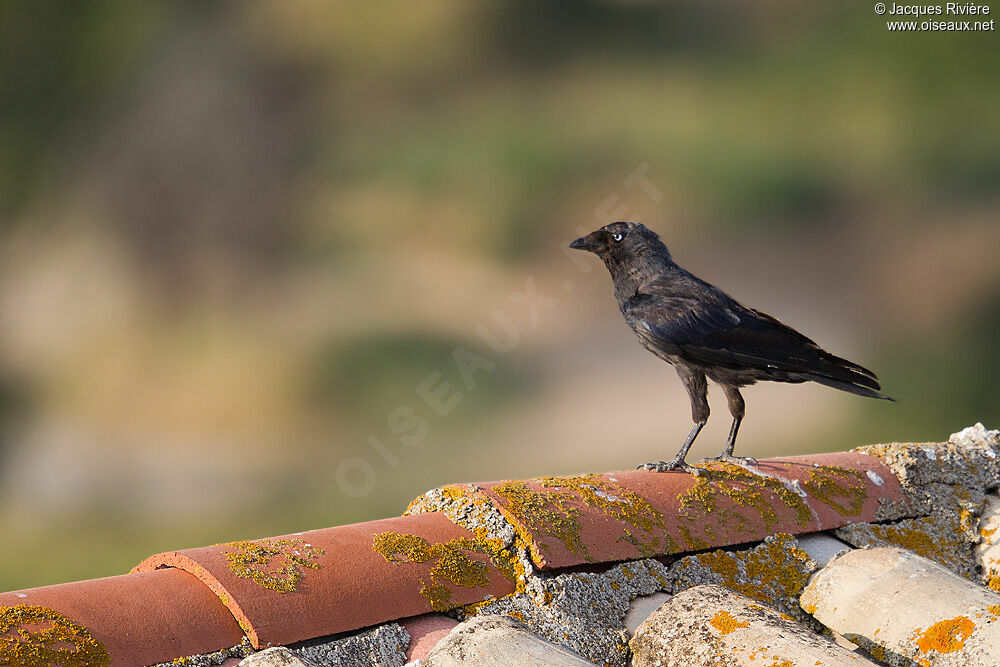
x: 35, y: 636
x: 272, y: 563
x: 993, y: 581
x: 986, y: 533
x: 944, y: 636
x: 553, y: 511
x: 994, y: 609
x: 724, y: 622
x: 451, y: 563
x: 778, y: 662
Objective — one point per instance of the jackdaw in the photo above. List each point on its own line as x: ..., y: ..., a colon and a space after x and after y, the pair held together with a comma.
x: 705, y: 333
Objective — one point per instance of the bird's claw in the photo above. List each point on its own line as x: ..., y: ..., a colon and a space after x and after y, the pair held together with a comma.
x: 665, y: 466
x: 735, y: 460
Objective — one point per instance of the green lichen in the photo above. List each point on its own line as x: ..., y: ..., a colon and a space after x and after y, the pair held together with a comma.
x: 275, y: 564
x: 34, y: 636
x: 554, y: 510
x: 451, y: 562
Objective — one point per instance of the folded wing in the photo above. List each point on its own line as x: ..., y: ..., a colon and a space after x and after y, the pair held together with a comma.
x: 723, y: 333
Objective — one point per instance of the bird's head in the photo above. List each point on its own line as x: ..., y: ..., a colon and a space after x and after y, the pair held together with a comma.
x: 621, y: 241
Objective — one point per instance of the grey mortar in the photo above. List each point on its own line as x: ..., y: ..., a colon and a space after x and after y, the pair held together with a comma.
x: 584, y: 611
x: 241, y: 650
x: 384, y: 646
x: 477, y: 515
x: 945, y: 484
x: 696, y: 569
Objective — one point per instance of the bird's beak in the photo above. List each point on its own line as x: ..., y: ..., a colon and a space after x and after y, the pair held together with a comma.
x: 590, y: 243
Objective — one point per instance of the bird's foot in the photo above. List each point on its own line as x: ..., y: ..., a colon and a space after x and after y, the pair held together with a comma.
x: 735, y: 460
x: 675, y: 464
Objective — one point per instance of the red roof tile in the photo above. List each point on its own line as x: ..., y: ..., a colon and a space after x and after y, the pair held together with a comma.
x: 569, y: 521
x: 133, y: 619
x: 425, y: 632
x: 322, y: 582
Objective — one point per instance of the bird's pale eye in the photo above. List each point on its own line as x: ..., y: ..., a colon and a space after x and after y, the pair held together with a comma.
x: 617, y: 236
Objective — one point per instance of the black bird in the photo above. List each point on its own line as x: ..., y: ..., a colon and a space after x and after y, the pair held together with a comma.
x: 705, y: 333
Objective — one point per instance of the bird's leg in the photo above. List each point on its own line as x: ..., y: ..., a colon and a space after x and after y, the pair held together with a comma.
x: 678, y: 462
x: 697, y: 389
x: 738, y: 408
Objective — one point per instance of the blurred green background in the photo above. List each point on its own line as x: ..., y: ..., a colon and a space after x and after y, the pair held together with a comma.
x: 235, y: 238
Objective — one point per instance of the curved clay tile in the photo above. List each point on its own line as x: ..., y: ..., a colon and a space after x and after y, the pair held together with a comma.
x: 610, y: 517
x: 133, y: 619
x: 425, y: 632
x: 322, y: 582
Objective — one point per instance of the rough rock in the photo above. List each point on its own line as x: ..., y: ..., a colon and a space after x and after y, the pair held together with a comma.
x: 905, y: 609
x: 499, y: 641
x: 710, y: 625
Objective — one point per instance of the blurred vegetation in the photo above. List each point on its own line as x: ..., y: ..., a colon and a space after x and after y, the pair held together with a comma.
x: 364, y: 376
x: 234, y: 237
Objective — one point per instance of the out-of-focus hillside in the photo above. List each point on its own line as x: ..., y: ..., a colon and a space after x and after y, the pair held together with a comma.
x: 236, y: 240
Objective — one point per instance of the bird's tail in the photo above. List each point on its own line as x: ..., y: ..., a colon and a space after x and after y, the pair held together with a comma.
x: 839, y: 373
x: 848, y: 387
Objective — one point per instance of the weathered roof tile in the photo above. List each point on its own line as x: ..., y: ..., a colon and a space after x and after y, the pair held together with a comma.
x: 321, y: 582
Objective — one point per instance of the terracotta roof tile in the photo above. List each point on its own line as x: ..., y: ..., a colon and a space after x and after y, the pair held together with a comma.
x: 321, y: 582
x: 602, y: 537
x: 133, y: 619
x: 570, y: 521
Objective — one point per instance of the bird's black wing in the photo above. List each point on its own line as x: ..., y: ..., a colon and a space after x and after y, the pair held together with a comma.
x: 718, y: 331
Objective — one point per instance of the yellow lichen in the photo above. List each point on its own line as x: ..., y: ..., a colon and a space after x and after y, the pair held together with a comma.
x: 987, y: 533
x: 925, y: 536
x: 451, y: 562
x: 993, y: 581
x: 778, y: 662
x: 272, y: 563
x: 34, y: 636
x: 553, y: 510
x: 724, y: 622
x: 840, y: 488
x: 769, y: 573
